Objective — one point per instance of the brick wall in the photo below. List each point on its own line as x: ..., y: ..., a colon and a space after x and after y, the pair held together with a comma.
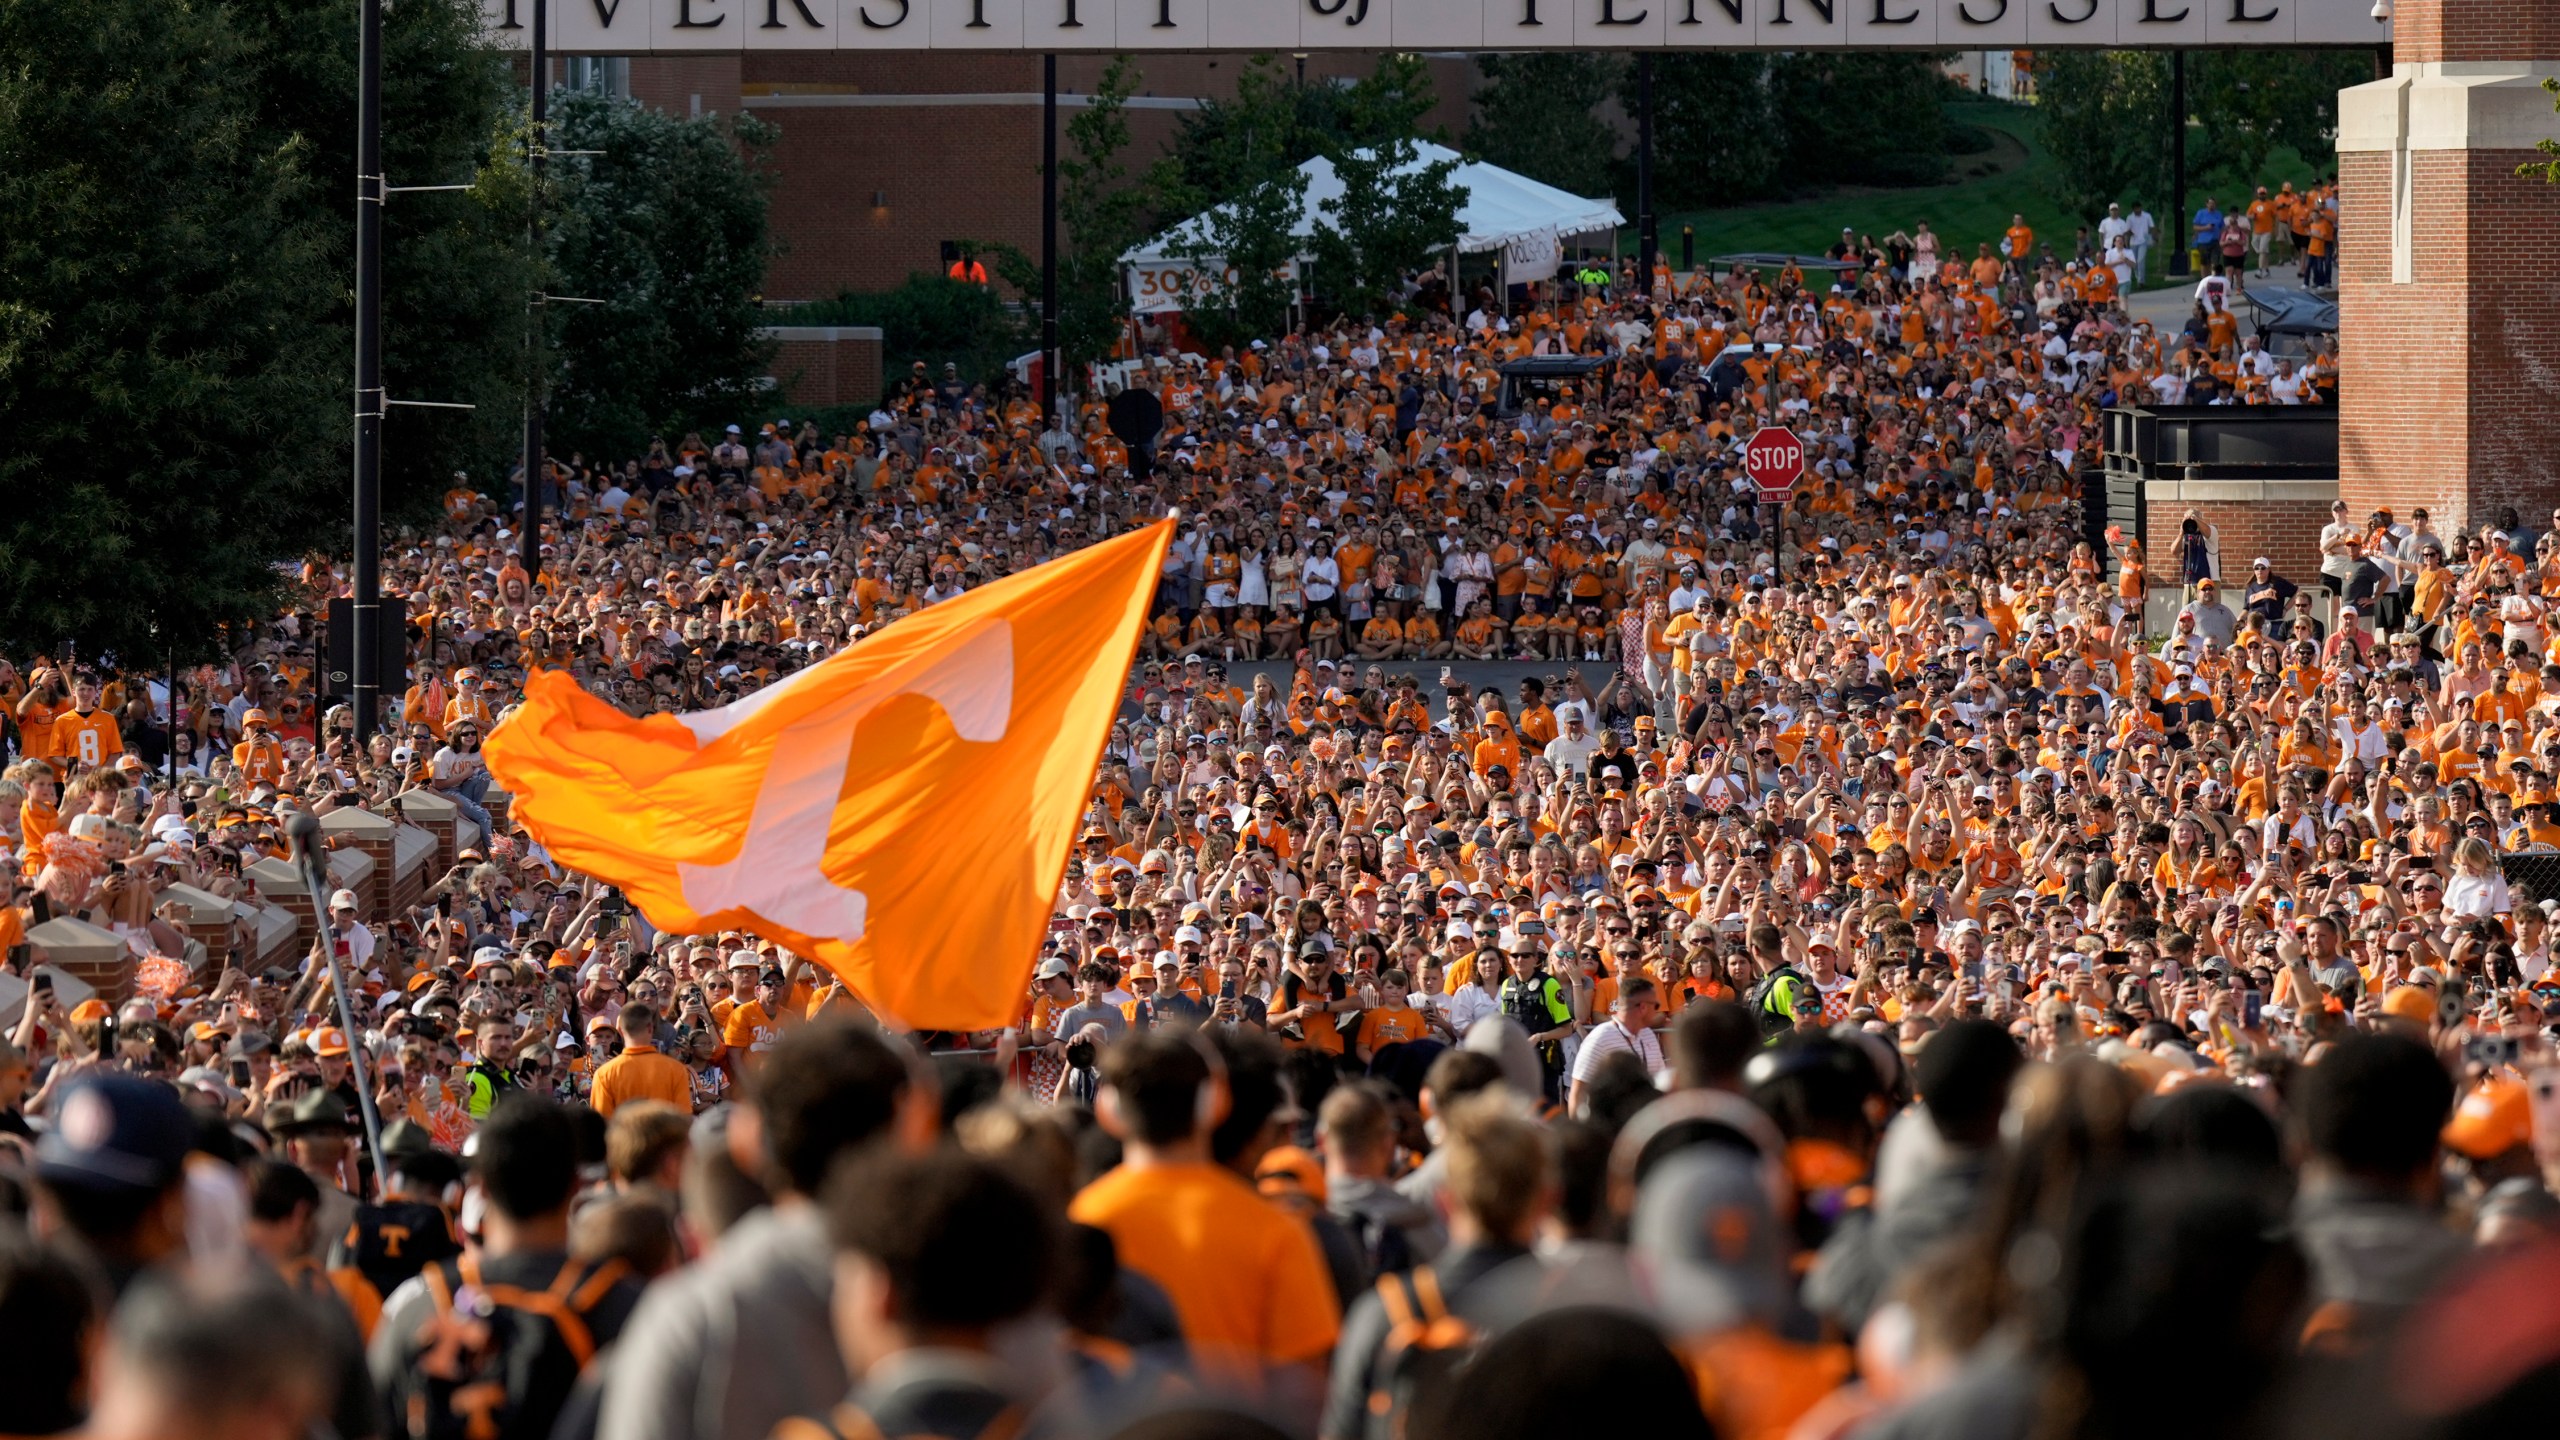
x: 2449, y: 384
x: 827, y: 365
x: 687, y: 85
x: 947, y: 171
x: 2425, y: 31
x: 2285, y: 531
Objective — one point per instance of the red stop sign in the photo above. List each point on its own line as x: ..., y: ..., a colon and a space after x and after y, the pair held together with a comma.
x: 1775, y: 461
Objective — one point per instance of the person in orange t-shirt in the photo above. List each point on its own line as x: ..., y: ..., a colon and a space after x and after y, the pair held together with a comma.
x: 1246, y: 1278
x: 640, y: 1072
x: 85, y: 735
x: 259, y: 756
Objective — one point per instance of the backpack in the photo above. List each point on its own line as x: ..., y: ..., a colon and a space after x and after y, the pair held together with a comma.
x: 502, y: 1366
x: 1425, y: 1346
x: 1384, y: 1247
x: 1774, y: 1022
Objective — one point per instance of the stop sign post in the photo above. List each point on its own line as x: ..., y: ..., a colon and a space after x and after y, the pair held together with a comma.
x: 1775, y: 461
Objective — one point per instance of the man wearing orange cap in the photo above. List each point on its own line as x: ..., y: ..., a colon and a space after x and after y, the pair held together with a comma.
x: 259, y: 756
x: 2492, y: 1130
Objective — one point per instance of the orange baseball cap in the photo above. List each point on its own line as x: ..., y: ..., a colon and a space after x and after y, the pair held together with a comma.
x: 90, y: 1009
x: 2410, y: 1002
x: 2493, y: 1119
x: 328, y: 1040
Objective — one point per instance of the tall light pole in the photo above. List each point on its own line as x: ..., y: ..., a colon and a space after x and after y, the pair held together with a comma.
x: 1048, y: 241
x: 537, y: 144
x: 1645, y: 237
x: 366, y: 606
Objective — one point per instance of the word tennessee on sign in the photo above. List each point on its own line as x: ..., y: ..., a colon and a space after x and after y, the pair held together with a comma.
x: 681, y: 27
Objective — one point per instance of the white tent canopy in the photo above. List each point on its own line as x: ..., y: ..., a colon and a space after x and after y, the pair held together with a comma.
x: 1501, y: 211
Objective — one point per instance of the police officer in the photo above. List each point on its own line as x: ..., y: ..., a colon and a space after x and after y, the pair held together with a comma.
x: 1784, y: 993
x: 1540, y: 1004
x: 492, y: 1071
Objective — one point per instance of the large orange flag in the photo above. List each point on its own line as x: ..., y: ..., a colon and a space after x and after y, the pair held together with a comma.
x: 901, y: 812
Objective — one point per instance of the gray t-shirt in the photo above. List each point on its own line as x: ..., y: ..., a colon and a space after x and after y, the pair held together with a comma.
x: 1077, y: 1016
x: 729, y: 1348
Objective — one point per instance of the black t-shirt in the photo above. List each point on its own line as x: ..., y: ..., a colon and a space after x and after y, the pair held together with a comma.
x: 394, y: 1240
x: 1613, y: 772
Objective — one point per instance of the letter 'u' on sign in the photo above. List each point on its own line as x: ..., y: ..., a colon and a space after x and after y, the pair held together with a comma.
x: 713, y: 27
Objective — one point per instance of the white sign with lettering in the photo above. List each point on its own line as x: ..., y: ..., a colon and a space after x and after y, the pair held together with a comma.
x: 703, y: 27
x: 1156, y: 286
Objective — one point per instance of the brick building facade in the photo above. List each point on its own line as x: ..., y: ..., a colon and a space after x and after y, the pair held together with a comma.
x: 882, y: 157
x: 2285, y: 529
x: 2449, y: 377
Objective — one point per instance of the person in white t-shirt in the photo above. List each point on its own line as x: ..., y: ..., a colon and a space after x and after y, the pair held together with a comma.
x: 1572, y: 747
x: 2287, y: 385
x: 2112, y: 229
x: 1629, y: 1028
x: 2341, y: 549
x: 1474, y: 999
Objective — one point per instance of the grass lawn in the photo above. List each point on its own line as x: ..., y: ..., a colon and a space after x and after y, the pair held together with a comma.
x: 2013, y: 177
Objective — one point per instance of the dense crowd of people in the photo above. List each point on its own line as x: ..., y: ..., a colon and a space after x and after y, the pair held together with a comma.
x: 1860, y: 982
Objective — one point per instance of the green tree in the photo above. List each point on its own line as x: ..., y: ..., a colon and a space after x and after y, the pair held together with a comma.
x: 1538, y: 114
x: 1234, y: 163
x: 1862, y: 117
x: 2546, y: 169
x: 932, y: 319
x: 455, y: 270
x: 1396, y: 212
x: 1252, y: 237
x: 1233, y: 170
x: 1717, y: 135
x: 1231, y: 145
x: 667, y: 226
x: 1101, y: 212
x: 2249, y: 103
x: 2106, y: 123
x: 178, y: 398
x: 1386, y: 104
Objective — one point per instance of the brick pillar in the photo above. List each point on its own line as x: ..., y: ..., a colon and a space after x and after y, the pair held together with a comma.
x: 208, y: 921
x: 364, y: 831
x: 280, y: 884
x: 96, y: 958
x: 2449, y: 371
x: 437, y: 816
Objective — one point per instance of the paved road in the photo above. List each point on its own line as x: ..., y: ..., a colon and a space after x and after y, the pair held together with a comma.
x: 2166, y: 308
x: 1477, y: 674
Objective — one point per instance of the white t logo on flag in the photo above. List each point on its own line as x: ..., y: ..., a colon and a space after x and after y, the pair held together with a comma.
x: 777, y: 872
